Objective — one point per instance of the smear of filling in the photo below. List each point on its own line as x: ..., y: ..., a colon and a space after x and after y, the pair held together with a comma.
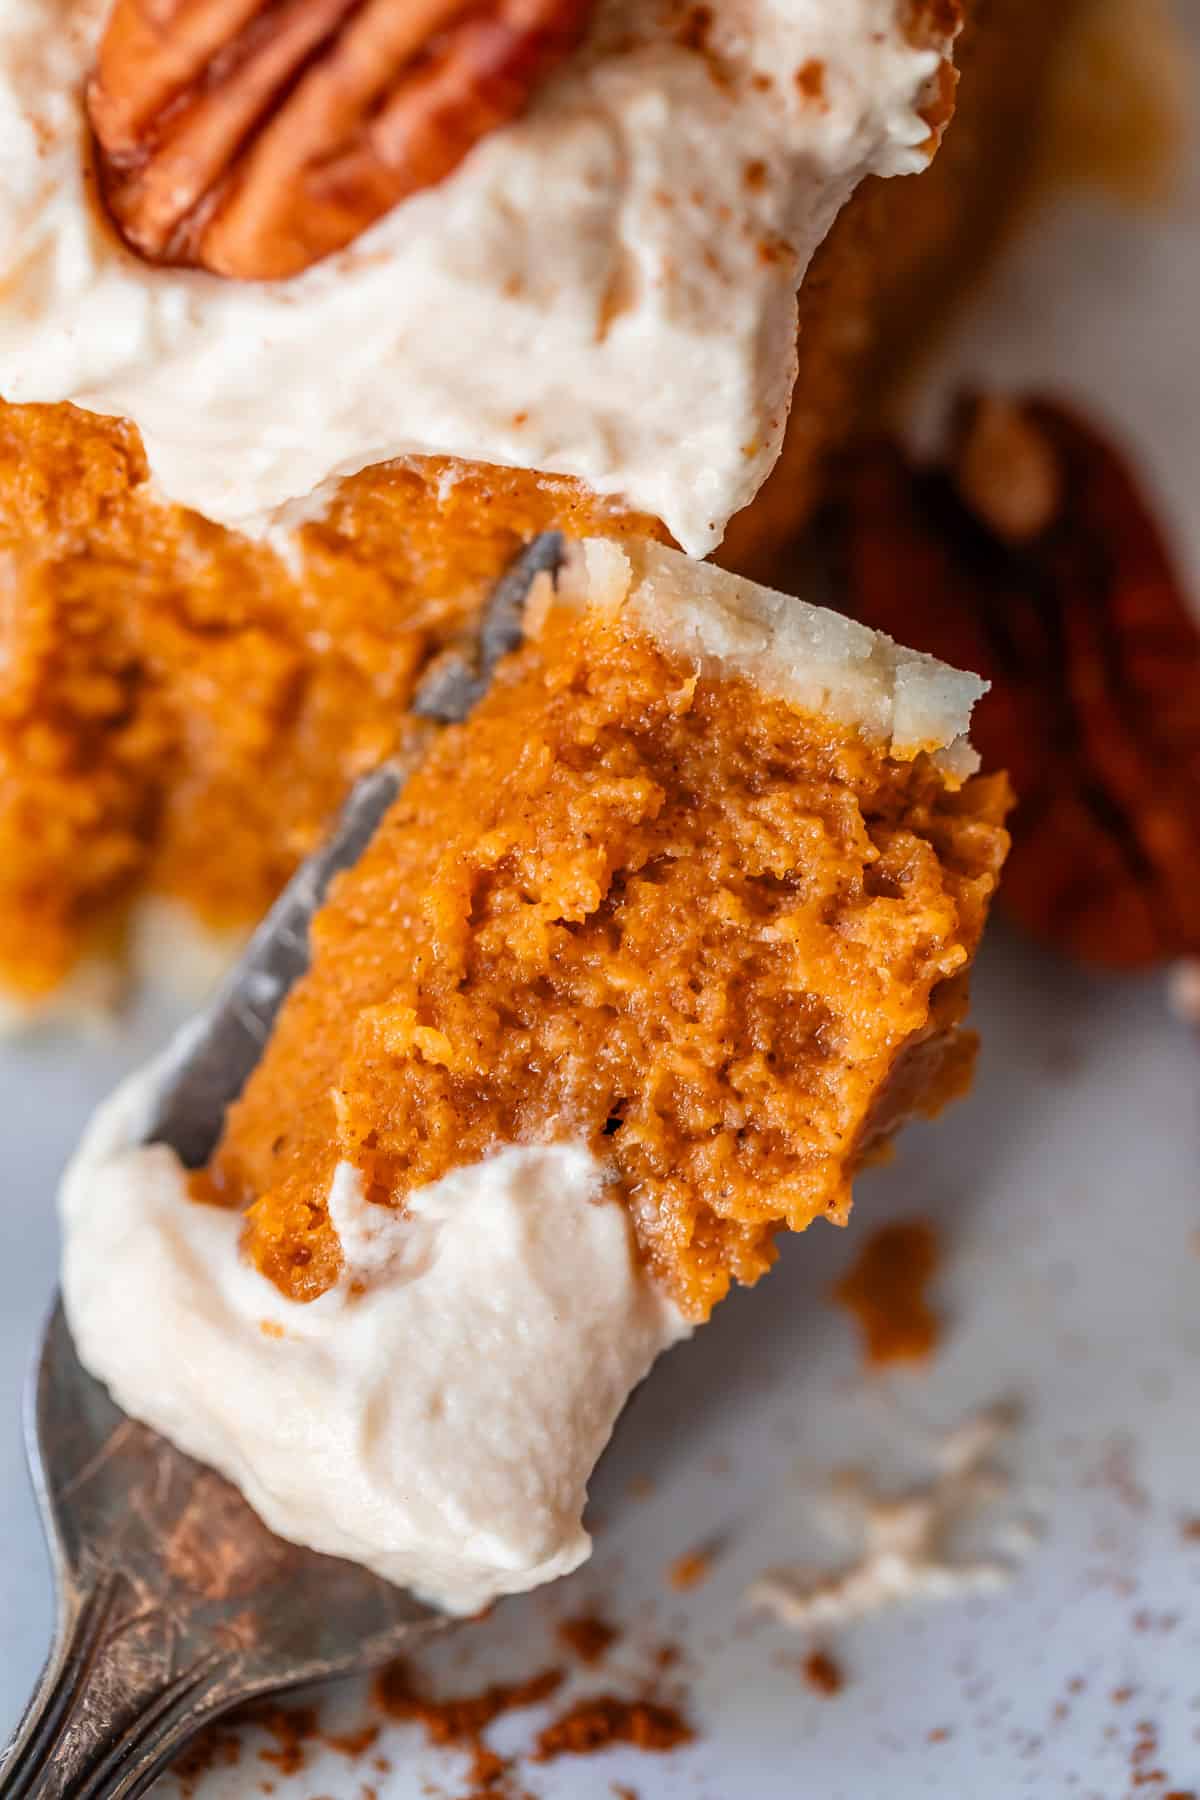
x: 885, y: 1290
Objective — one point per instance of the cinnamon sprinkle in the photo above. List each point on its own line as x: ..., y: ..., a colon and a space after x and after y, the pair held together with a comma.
x: 810, y: 79
x: 215, y: 1747
x: 293, y: 1728
x: 589, y: 1725
x: 823, y: 1674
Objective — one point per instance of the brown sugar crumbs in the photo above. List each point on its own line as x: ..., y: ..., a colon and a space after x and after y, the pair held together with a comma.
x: 823, y: 1674
x: 454, y: 1721
x: 730, y: 938
x: 597, y: 1723
x: 885, y: 1288
x: 293, y: 1729
x: 588, y: 1637
x: 587, y: 1726
x: 691, y: 1569
x: 461, y: 1722
x: 214, y: 1747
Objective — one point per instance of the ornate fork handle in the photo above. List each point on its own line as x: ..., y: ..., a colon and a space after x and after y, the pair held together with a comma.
x: 176, y: 1603
x: 109, y: 1712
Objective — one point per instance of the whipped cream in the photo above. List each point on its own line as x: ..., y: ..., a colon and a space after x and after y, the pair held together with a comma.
x: 437, y: 1414
x: 605, y: 288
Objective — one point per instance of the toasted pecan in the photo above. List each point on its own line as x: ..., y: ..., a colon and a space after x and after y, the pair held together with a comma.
x: 1034, y: 556
x: 253, y: 138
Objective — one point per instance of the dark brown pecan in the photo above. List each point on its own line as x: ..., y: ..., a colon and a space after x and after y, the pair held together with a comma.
x: 1034, y: 557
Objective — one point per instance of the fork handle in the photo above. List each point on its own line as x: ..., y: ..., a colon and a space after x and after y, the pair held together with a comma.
x: 106, y: 1718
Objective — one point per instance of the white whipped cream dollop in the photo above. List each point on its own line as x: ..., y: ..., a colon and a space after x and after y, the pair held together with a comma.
x: 605, y: 288
x: 437, y: 1414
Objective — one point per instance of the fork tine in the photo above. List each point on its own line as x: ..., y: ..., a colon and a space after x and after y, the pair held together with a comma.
x: 215, y: 1058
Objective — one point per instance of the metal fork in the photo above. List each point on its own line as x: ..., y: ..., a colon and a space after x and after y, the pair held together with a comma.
x: 175, y: 1603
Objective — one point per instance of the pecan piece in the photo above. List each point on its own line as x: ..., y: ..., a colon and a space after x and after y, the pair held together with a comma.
x: 1033, y: 557
x: 254, y: 137
x: 934, y: 25
x: 1008, y: 472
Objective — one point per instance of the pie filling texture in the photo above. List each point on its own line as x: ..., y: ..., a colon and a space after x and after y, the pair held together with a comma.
x: 182, y: 709
x: 718, y: 941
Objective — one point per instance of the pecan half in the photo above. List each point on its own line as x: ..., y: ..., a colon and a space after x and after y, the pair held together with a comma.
x: 254, y: 137
x: 1033, y: 557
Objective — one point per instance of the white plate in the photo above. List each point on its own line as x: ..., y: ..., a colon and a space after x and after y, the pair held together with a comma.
x: 1066, y: 1193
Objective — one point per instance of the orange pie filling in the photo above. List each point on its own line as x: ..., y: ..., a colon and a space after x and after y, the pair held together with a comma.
x: 182, y: 709
x: 666, y: 895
